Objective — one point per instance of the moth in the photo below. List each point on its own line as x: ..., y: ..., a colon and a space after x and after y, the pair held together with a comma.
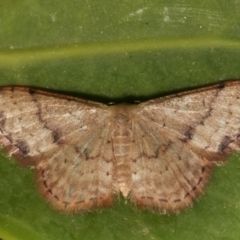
x: 158, y: 154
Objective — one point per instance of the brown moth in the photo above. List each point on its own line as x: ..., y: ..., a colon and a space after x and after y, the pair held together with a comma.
x: 158, y: 154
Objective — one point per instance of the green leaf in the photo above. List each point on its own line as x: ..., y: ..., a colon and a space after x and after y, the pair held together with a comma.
x: 118, y: 51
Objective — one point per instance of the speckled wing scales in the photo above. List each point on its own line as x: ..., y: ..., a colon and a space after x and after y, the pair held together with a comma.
x: 78, y: 177
x: 62, y: 137
x: 166, y: 174
x: 178, y: 138
x: 159, y: 154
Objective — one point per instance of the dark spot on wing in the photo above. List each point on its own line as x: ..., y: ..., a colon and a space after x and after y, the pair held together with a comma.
x: 45, y: 183
x: 163, y: 200
x: 2, y: 119
x: 22, y: 146
x: 221, y: 85
x: 86, y: 153
x: 9, y: 138
x: 56, y: 136
x: 31, y: 91
x: 224, y: 143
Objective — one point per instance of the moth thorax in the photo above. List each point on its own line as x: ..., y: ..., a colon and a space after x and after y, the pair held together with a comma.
x: 122, y: 139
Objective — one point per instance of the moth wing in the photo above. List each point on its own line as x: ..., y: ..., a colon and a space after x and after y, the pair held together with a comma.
x: 178, y: 139
x: 63, y: 138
